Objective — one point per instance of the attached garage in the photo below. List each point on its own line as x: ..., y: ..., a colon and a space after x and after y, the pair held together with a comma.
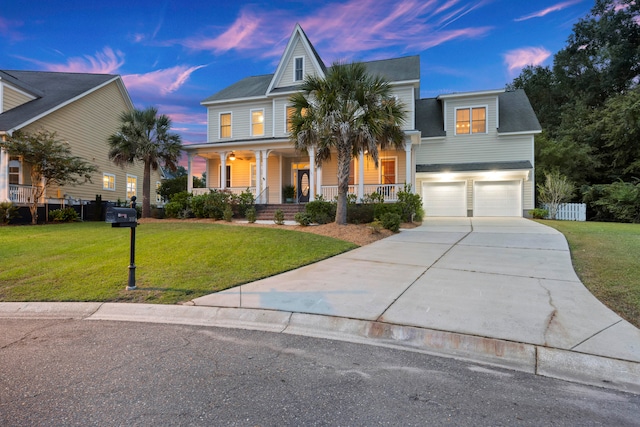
x: 444, y: 198
x: 497, y: 198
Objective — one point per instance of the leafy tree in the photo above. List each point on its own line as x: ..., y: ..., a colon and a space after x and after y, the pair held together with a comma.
x: 171, y: 186
x: 556, y: 189
x: 51, y: 163
x: 349, y: 111
x: 144, y: 137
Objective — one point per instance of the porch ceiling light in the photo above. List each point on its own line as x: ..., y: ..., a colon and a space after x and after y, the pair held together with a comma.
x: 232, y: 156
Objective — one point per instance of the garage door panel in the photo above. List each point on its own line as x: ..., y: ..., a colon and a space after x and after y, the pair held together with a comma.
x: 497, y: 198
x: 444, y: 198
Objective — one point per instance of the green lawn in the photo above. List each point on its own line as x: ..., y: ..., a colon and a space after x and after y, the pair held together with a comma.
x: 176, y: 261
x: 606, y: 258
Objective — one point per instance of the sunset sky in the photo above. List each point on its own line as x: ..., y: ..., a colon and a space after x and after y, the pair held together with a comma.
x: 173, y: 54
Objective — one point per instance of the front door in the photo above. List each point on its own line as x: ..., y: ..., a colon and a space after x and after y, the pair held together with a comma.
x: 303, y: 185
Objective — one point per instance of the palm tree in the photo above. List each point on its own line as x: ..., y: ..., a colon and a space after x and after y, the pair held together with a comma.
x: 348, y: 111
x: 144, y: 136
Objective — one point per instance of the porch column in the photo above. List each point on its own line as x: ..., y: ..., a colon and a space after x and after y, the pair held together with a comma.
x: 258, y: 154
x: 265, y: 174
x: 408, y: 162
x: 312, y: 174
x: 319, y: 180
x: 361, y: 175
x: 189, y: 173
x: 4, y: 175
x: 223, y: 170
x: 207, y: 173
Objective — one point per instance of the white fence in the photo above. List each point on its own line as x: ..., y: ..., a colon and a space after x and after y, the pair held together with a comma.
x: 570, y: 211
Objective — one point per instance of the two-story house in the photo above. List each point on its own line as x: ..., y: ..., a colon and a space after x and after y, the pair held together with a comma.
x: 84, y: 110
x: 467, y: 154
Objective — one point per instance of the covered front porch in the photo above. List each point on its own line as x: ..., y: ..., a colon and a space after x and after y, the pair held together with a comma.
x: 271, y: 172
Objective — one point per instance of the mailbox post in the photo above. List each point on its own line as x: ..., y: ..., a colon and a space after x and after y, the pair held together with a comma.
x: 126, y: 217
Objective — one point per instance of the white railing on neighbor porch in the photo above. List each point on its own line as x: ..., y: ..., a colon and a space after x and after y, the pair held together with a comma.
x: 20, y: 193
x: 389, y: 191
x: 571, y: 212
x: 234, y: 190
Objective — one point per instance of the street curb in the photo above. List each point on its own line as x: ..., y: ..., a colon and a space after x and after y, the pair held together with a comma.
x: 561, y: 364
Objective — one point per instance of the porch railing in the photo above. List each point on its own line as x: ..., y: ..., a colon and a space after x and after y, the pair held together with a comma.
x: 20, y: 193
x: 388, y: 191
x: 234, y: 190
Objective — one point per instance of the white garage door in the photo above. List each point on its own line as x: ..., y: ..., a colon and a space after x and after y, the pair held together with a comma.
x: 444, y: 198
x: 497, y: 198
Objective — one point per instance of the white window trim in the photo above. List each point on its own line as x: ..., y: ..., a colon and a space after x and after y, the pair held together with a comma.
x: 127, y: 187
x: 220, y: 114
x: 286, y: 118
x: 295, y: 58
x: 395, y: 158
x: 229, y: 175
x: 470, y: 108
x: 158, y: 196
x: 253, y: 181
x: 20, y: 168
x: 114, y: 181
x: 255, y: 110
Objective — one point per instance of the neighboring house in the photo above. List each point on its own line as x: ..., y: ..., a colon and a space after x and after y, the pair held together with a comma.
x: 466, y: 154
x: 84, y: 110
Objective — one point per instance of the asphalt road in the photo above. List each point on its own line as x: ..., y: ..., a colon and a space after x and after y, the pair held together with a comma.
x: 70, y: 372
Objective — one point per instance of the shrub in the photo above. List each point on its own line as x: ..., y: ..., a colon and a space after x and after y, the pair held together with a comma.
x: 303, y: 218
x: 373, y: 198
x: 64, y: 215
x: 375, y: 227
x: 251, y: 214
x: 538, y: 213
x: 278, y: 217
x: 244, y: 200
x: 227, y: 214
x: 410, y: 205
x: 556, y: 189
x: 360, y: 214
x: 321, y: 211
x: 391, y: 221
x: 173, y: 210
x: 383, y: 208
x: 8, y: 211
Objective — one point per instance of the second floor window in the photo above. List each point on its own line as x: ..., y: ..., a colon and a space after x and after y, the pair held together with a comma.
x: 299, y: 69
x: 257, y: 122
x: 225, y: 125
x: 471, y: 120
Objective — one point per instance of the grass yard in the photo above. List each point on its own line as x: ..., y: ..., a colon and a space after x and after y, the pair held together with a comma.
x: 176, y: 261
x: 606, y: 258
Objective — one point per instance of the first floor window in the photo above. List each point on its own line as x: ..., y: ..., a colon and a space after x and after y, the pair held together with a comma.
x: 252, y: 175
x: 132, y: 186
x: 15, y: 170
x: 228, y: 180
x: 225, y: 125
x: 388, y: 171
x: 471, y: 120
x: 158, y: 196
x: 108, y: 182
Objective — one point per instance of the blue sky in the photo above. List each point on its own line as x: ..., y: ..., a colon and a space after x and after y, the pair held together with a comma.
x: 173, y: 54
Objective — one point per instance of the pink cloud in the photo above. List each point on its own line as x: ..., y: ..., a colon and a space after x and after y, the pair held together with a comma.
x: 520, y: 58
x: 164, y: 81
x: 106, y: 62
x: 8, y: 29
x: 344, y: 29
x: 548, y: 10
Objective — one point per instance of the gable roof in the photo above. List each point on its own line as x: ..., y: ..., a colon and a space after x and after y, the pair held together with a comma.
x: 393, y: 70
x: 53, y: 90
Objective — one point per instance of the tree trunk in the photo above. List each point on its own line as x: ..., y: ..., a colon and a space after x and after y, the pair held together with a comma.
x: 146, y: 191
x: 344, y: 160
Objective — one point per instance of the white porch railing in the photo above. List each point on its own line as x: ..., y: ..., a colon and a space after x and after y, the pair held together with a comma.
x: 389, y: 191
x: 20, y: 193
x: 234, y: 190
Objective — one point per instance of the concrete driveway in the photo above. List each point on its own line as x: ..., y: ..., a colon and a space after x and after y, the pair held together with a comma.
x: 499, y: 289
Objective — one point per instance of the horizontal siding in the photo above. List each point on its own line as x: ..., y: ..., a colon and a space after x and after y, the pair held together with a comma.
x: 273, y: 179
x: 287, y: 73
x: 87, y: 124
x: 11, y: 98
x: 405, y: 95
x: 240, y: 120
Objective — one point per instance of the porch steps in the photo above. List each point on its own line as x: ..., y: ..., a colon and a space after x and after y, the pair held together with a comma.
x: 266, y: 212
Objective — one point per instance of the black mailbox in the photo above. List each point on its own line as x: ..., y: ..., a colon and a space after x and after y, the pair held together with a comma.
x: 121, y: 217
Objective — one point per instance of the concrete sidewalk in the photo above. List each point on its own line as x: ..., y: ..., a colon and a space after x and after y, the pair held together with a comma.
x: 500, y: 291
